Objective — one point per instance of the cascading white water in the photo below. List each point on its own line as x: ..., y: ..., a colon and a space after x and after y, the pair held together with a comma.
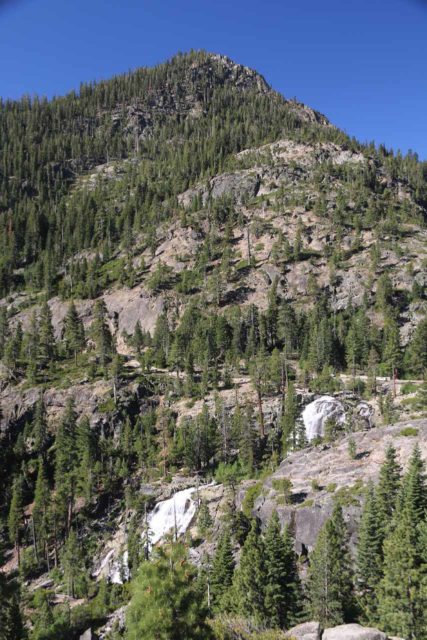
x: 174, y: 514
x: 318, y: 412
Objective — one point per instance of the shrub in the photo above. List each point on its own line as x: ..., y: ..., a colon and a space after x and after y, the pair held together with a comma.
x: 408, y: 432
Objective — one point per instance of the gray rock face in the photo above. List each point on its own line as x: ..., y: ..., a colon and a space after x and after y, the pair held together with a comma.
x: 305, y: 631
x: 353, y: 632
x: 331, y: 471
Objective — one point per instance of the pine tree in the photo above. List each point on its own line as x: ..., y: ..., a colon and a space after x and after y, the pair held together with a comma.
x: 388, y: 489
x: 166, y: 604
x: 413, y: 499
x: 369, y: 556
x: 11, y: 623
x: 16, y: 515
x: 85, y: 450
x: 41, y: 511
x: 46, y: 347
x: 102, y: 334
x: 4, y: 329
x: 283, y: 590
x: 204, y: 520
x: 402, y: 597
x: 138, y: 338
x: 74, y: 334
x: 289, y: 418
x: 32, y: 347
x: 249, y: 582
x: 65, y: 464
x: 330, y: 588
x: 72, y: 562
x: 39, y: 428
x: 222, y: 570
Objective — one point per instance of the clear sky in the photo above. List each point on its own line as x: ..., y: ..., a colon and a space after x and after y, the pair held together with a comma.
x: 363, y: 63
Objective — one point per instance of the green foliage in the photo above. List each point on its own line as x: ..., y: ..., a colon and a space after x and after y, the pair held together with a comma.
x: 222, y: 571
x: 283, y: 596
x: 165, y: 603
x: 249, y: 582
x: 330, y: 585
x: 409, y: 432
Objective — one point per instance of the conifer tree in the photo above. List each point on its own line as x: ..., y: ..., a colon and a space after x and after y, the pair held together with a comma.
x: 249, y: 582
x: 204, y: 520
x: 85, y: 450
x: 32, y: 347
x: 222, y: 570
x: 102, y: 334
x: 39, y: 428
x: 16, y: 515
x: 74, y: 334
x: 402, y: 596
x: 290, y: 413
x: 72, y: 562
x: 330, y: 587
x: 369, y: 556
x: 65, y: 464
x: 413, y: 498
x: 283, y: 590
x: 4, y: 329
x: 41, y: 511
x: 388, y: 487
x: 165, y: 604
x: 46, y: 346
x: 11, y: 624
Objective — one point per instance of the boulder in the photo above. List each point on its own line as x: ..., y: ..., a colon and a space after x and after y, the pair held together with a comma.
x: 353, y: 632
x: 305, y: 631
x: 87, y: 635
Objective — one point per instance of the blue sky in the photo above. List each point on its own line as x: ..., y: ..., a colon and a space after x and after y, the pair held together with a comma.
x: 363, y: 63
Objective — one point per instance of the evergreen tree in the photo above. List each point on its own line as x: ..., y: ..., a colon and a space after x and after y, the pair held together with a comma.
x: 369, y: 556
x: 289, y: 418
x: 166, y: 604
x: 11, y: 623
x: 413, y: 499
x: 46, y: 336
x: 222, y: 570
x: 204, y: 520
x: 402, y: 597
x: 16, y: 515
x: 388, y: 487
x: 41, y: 511
x: 74, y: 334
x: 65, y: 464
x: 102, y: 334
x: 85, y: 450
x: 330, y: 587
x: 4, y: 329
x: 249, y: 582
x: 72, y: 563
x: 39, y: 428
x: 283, y: 590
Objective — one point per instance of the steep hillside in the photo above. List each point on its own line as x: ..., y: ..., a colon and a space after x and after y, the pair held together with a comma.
x: 213, y: 310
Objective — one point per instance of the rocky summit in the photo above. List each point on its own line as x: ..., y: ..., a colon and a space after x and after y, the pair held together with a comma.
x: 213, y: 356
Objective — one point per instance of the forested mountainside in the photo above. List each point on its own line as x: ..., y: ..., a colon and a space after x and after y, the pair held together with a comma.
x: 213, y: 356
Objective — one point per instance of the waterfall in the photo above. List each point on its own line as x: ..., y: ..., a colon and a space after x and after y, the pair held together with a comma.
x: 317, y: 412
x: 172, y: 515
